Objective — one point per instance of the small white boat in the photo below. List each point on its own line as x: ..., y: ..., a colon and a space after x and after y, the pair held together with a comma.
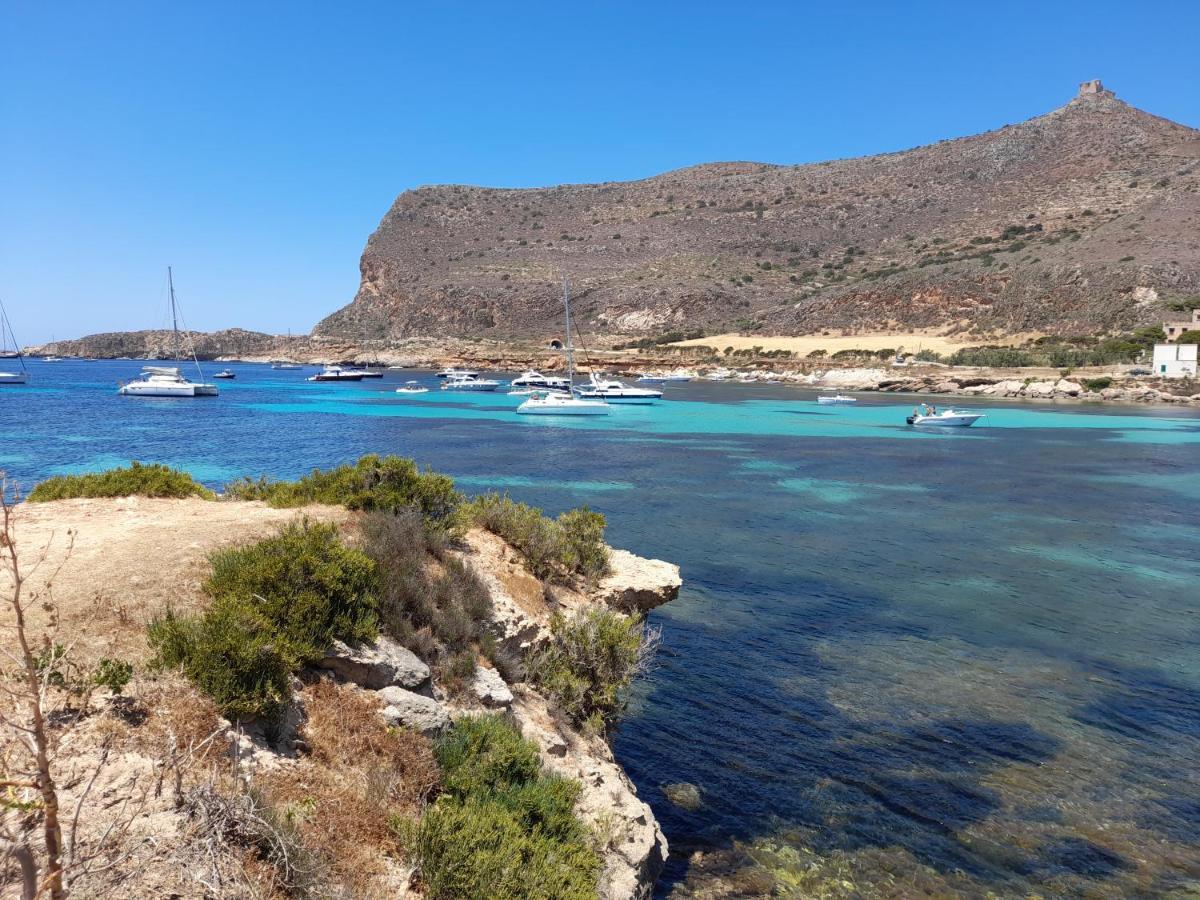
x: 649, y: 378
x: 563, y: 403
x: 947, y: 418
x: 452, y: 372
x: 616, y: 392
x: 679, y: 376
x: 537, y: 380
x: 836, y: 400
x: 412, y: 387
x: 225, y: 373
x: 469, y: 383
x: 51, y: 359
x: 336, y: 373
x: 283, y: 364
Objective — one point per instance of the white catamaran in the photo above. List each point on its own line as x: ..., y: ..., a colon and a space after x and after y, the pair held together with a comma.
x: 168, y: 381
x: 5, y: 330
x: 559, y: 403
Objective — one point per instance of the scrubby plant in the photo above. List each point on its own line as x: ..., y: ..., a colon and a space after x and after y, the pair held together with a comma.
x: 1097, y: 384
x: 277, y: 605
x: 154, y: 480
x: 503, y: 828
x: 593, y: 656
x: 572, y: 544
x: 374, y: 483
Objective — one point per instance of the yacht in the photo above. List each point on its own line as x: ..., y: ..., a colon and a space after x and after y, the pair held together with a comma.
x: 22, y: 376
x: 616, y: 392
x: 952, y: 418
x: 835, y: 400
x: 412, y: 387
x: 452, y: 372
x: 226, y: 373
x: 532, y: 379
x: 680, y: 376
x: 562, y: 403
x: 336, y: 373
x: 469, y: 383
x: 650, y: 378
x: 168, y: 381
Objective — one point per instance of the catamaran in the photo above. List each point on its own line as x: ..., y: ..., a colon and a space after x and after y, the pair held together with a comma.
x: 168, y: 381
x: 560, y: 403
x: 5, y: 330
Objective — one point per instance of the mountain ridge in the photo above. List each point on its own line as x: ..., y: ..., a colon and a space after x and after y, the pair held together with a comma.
x: 1073, y: 221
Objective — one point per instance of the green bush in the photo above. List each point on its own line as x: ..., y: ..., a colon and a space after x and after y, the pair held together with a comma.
x: 154, y: 480
x: 1097, y: 384
x: 277, y: 605
x: 1190, y: 337
x: 386, y: 484
x: 503, y: 828
x: 553, y: 548
x: 591, y: 660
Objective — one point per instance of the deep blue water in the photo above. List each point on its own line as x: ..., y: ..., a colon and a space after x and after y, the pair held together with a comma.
x: 958, y: 662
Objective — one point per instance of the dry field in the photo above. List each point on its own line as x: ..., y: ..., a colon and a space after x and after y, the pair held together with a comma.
x: 804, y: 344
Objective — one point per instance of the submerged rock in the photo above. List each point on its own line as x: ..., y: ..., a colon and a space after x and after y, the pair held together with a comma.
x: 416, y: 711
x: 684, y: 795
x: 379, y: 664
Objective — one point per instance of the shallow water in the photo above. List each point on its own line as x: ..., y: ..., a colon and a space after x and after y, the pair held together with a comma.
x: 943, y: 662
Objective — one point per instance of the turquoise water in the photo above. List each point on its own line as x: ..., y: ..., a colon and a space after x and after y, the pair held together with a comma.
x: 960, y: 662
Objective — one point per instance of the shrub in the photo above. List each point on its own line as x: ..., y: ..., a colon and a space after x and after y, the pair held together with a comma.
x: 553, y: 548
x: 1189, y: 337
x: 502, y: 828
x: 113, y: 674
x: 1097, y: 384
x: 154, y: 480
x: 277, y: 605
x: 592, y: 658
x: 388, y: 484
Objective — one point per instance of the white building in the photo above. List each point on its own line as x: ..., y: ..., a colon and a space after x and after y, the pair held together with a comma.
x: 1175, y: 360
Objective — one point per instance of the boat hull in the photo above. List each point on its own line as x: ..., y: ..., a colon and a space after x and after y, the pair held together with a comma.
x: 562, y: 407
x: 335, y: 378
x: 13, y: 378
x: 964, y: 420
x: 158, y: 390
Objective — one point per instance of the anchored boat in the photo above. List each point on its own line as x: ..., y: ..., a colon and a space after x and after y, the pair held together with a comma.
x: 168, y: 381
x: 560, y: 403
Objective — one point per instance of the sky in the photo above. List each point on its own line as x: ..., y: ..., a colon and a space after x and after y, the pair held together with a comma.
x: 254, y: 146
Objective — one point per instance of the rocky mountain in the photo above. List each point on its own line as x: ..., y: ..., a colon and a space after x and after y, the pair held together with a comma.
x: 232, y: 343
x: 1078, y: 221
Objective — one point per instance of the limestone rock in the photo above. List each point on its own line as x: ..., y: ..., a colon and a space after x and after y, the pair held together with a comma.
x: 1070, y: 388
x: 637, y: 584
x: 1040, y: 389
x: 490, y: 688
x: 416, y: 711
x: 379, y: 664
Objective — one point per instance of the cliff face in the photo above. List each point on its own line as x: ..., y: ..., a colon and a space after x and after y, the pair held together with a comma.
x: 1078, y: 220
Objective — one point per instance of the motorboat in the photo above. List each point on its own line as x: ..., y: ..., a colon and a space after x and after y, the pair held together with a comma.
x: 452, y: 372
x: 532, y: 379
x: 650, y: 378
x: 947, y: 418
x: 370, y: 373
x: 563, y: 403
x: 165, y: 381
x: 21, y: 377
x: 617, y: 392
x: 225, y: 373
x: 469, y: 383
x: 51, y: 359
x: 835, y: 399
x: 679, y: 376
x: 168, y: 381
x: 412, y: 387
x: 336, y: 373
x: 284, y: 364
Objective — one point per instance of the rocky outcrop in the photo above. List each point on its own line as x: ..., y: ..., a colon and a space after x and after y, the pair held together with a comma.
x: 635, y: 584
x: 489, y: 689
x: 379, y: 664
x: 416, y: 711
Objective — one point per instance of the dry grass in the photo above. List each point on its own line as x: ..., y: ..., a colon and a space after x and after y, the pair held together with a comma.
x: 802, y: 345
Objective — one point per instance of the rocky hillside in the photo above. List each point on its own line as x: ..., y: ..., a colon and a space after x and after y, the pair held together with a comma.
x: 231, y: 343
x: 1079, y: 220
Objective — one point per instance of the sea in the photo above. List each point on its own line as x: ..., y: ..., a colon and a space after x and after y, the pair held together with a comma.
x: 902, y: 662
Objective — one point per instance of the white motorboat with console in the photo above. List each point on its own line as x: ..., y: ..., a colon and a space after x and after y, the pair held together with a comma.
x: 412, y: 387
x: 532, y: 379
x: 616, y: 392
x: 336, y: 373
x: 21, y: 377
x: 947, y: 418
x: 836, y: 400
x: 168, y: 381
x: 469, y: 383
x: 563, y: 403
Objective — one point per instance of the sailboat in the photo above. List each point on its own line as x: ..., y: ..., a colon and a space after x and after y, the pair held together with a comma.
x: 168, y: 381
x: 5, y: 330
x: 557, y: 403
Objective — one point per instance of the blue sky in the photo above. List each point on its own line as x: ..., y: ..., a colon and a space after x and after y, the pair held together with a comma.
x: 255, y: 146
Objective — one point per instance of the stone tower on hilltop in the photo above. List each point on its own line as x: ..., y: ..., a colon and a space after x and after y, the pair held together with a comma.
x: 1094, y: 88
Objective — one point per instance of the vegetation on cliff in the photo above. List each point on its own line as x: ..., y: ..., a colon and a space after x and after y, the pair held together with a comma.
x: 572, y: 544
x: 154, y: 480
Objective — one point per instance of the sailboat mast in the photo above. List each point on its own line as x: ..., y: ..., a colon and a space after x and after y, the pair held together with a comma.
x: 570, y: 347
x: 174, y: 314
